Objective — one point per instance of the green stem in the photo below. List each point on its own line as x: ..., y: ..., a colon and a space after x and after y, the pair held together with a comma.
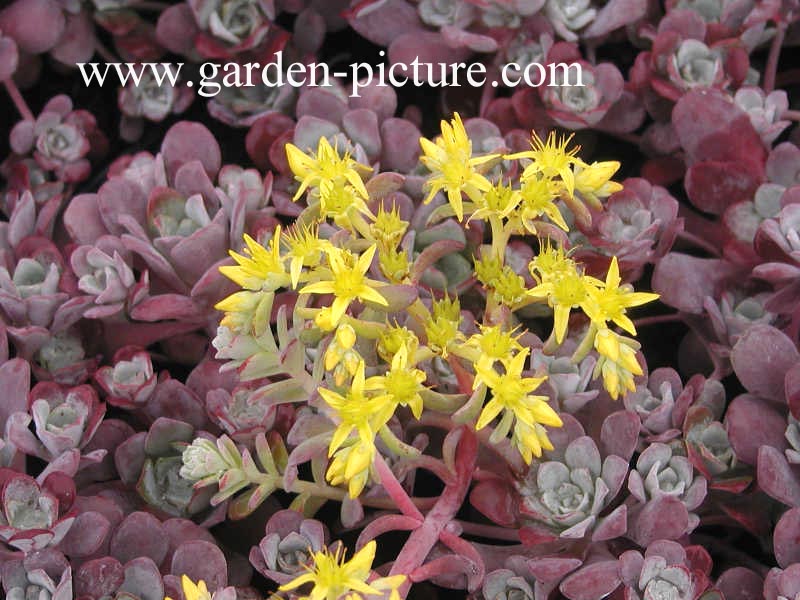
x: 585, y: 346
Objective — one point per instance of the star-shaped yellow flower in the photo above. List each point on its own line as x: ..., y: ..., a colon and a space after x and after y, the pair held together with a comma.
x: 609, y: 301
x: 511, y: 395
x: 348, y: 281
x: 452, y: 166
x: 325, y: 165
x: 263, y: 269
x: 334, y: 577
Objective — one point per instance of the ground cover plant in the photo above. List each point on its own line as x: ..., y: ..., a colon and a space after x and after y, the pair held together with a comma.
x: 497, y: 342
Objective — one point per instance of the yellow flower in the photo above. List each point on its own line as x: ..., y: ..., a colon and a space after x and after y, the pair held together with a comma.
x: 511, y: 396
x: 617, y: 362
x: 262, y: 270
x: 452, y: 166
x: 325, y: 165
x: 388, y: 227
x: 608, y: 301
x: 305, y: 249
x: 340, y: 356
x: 499, y: 201
x: 337, y: 200
x: 494, y: 344
x: 507, y: 287
x: 333, y: 577
x: 593, y: 182
x: 402, y: 383
x: 356, y: 411
x: 247, y: 312
x: 563, y: 294
x: 550, y: 159
x: 192, y: 591
x: 395, y: 337
x: 537, y: 200
x: 351, y: 464
x: 394, y: 264
x: 348, y: 281
x: 442, y: 327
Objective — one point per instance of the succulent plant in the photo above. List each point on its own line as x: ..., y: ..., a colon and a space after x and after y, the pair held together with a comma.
x: 566, y: 498
x: 42, y: 574
x: 131, y: 381
x: 152, y: 461
x: 287, y: 545
x: 660, y: 473
x: 31, y: 517
x: 64, y: 419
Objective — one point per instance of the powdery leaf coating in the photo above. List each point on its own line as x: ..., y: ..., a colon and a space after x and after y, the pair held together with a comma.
x: 784, y: 541
x: 35, y: 25
x: 186, y: 141
x: 761, y: 358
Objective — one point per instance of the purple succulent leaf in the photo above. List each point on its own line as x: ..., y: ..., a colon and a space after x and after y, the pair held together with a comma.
x: 129, y: 457
x: 139, y: 535
x: 777, y: 477
x: 685, y: 281
x: 99, y: 577
x: 382, y: 26
x: 664, y: 517
x: 751, y: 423
x: 761, y: 358
x: 199, y: 559
x: 142, y: 579
x: 611, y: 526
x: 620, y: 433
x: 15, y: 379
x: 592, y: 581
x: 35, y: 26
x: 614, y: 15
x: 171, y: 398
x: 740, y: 582
x: 785, y: 536
x: 551, y: 570
x: 87, y: 534
x: 77, y: 43
x: 187, y: 141
x: 116, y: 197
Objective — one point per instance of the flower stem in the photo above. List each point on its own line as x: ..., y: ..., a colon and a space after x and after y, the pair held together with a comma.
x: 772, y: 59
x: 395, y: 489
x: 488, y: 531
x: 338, y: 495
x: 19, y: 102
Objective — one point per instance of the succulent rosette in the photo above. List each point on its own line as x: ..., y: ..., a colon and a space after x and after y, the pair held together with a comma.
x: 32, y: 517
x: 131, y: 379
x: 566, y: 497
x: 64, y: 419
x: 151, y: 461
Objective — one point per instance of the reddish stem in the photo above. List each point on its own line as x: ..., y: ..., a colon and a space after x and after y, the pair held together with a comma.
x: 395, y: 490
x: 424, y: 538
x: 489, y: 531
x: 792, y: 115
x: 771, y: 69
x: 18, y: 100
x: 699, y: 242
